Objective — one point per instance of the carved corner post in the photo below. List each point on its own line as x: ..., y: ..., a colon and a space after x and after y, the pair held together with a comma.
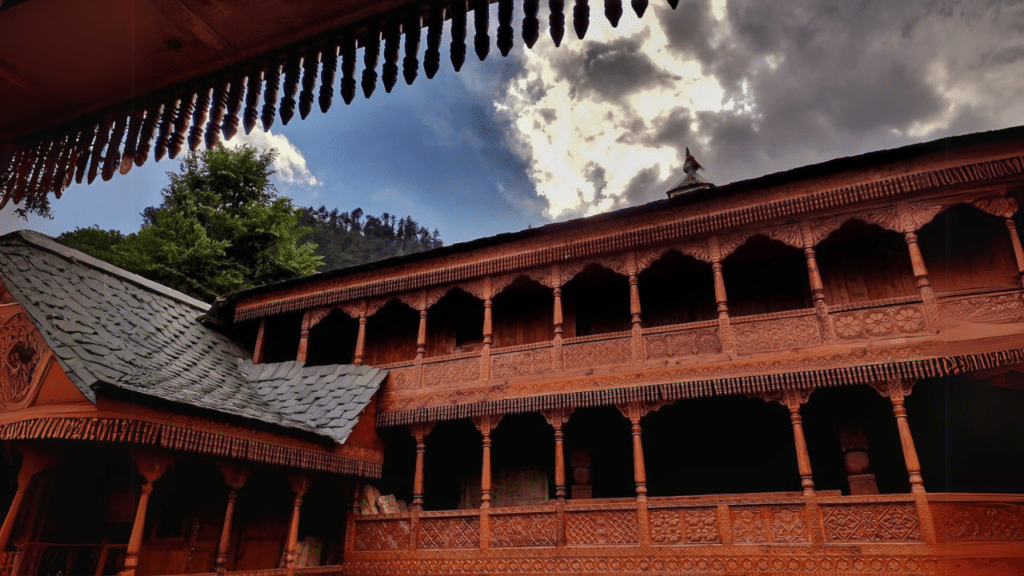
x: 634, y: 412
x: 307, y: 320
x: 557, y: 418
x: 721, y: 299
x: 486, y: 424
x: 908, y: 222
x: 488, y: 334
x: 235, y: 478
x: 634, y: 308
x: 151, y: 466
x: 817, y: 288
x: 1018, y: 251
x: 419, y: 433
x: 300, y: 484
x: 421, y: 336
x: 261, y: 342
x: 33, y: 462
x: 556, y: 271
x: 350, y: 522
x: 896, y: 389
x: 361, y: 336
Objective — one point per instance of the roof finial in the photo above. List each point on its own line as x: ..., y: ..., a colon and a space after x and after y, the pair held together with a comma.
x: 691, y: 165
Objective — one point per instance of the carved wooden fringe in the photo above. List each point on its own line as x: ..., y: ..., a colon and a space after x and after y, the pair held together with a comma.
x: 328, y: 67
x: 844, y: 376
x: 410, y: 64
x: 458, y: 44
x: 310, y: 62
x: 371, y: 54
x: 435, y: 27
x: 389, y: 71
x: 185, y: 440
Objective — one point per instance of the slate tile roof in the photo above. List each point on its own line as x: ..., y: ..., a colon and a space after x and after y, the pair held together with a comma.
x: 107, y: 326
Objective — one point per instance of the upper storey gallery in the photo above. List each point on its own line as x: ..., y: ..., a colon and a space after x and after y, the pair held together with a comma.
x: 868, y: 250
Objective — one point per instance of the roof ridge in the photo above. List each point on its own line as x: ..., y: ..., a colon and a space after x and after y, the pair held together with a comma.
x: 44, y: 242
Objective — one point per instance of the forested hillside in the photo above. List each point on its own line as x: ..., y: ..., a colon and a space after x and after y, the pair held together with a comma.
x: 350, y: 238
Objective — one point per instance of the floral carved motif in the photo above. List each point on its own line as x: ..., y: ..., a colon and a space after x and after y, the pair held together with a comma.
x: 20, y: 350
x: 600, y: 353
x: 458, y: 532
x: 789, y: 234
x: 963, y: 522
x: 605, y: 527
x: 996, y: 205
x: 776, y: 334
x: 516, y: 530
x: 685, y: 343
x: 701, y: 525
x: 521, y: 363
x: 879, y: 322
x: 871, y: 522
x: 665, y: 527
x: 788, y: 525
x: 451, y: 372
x: 748, y: 525
x: 382, y: 535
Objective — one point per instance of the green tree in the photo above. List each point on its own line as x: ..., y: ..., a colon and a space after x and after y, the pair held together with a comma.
x: 221, y: 228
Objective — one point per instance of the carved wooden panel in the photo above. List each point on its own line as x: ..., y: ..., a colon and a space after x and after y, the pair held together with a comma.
x: 515, y: 530
x: 871, y: 522
x: 691, y: 526
x: 20, y: 350
x: 382, y: 535
x: 981, y: 521
x: 403, y: 378
x: 788, y: 524
x: 599, y: 353
x: 451, y: 371
x: 776, y: 334
x: 989, y: 309
x: 522, y: 362
x: 682, y: 343
x: 748, y: 524
x: 601, y: 527
x: 452, y: 532
x: 879, y: 322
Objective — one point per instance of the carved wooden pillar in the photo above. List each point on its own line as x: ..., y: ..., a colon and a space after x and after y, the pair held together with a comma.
x: 724, y: 327
x: 792, y: 399
x: 151, y: 466
x: 304, y: 336
x: 485, y: 351
x: 235, y: 478
x: 486, y: 424
x: 924, y: 285
x: 361, y: 337
x: 350, y: 523
x: 33, y: 462
x: 634, y: 310
x: 896, y: 389
x: 419, y: 432
x: 634, y: 412
x: 421, y: 336
x: 557, y: 316
x: 1018, y: 251
x: 300, y: 483
x: 817, y: 288
x: 557, y: 418
x: 258, y: 351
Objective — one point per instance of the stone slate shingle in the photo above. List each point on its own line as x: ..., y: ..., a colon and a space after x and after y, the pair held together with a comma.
x: 107, y: 326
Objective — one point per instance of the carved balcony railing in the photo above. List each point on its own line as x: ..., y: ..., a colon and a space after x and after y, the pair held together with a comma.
x: 700, y: 342
x: 749, y: 533
x: 304, y: 571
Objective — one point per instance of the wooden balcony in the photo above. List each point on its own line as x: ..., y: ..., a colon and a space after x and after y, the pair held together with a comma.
x: 692, y: 343
x: 748, y: 534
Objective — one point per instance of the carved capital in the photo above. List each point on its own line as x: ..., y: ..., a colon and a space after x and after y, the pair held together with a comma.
x: 1001, y: 206
x: 315, y: 316
x: 421, y: 430
x: 234, y: 475
x: 814, y: 231
x: 788, y: 234
x: 373, y: 305
x: 915, y: 215
x: 557, y: 417
x: 355, y: 309
x: 791, y: 398
x: 727, y: 244
x: 487, y: 423
x: 635, y: 411
x: 894, y: 388
x: 300, y: 482
x: 151, y: 463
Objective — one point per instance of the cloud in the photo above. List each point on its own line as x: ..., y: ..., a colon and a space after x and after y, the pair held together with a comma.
x: 290, y: 164
x: 752, y: 88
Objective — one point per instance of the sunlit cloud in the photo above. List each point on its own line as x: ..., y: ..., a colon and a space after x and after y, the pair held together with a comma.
x: 290, y: 164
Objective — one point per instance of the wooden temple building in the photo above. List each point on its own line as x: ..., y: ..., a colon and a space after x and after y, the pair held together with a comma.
x: 819, y: 371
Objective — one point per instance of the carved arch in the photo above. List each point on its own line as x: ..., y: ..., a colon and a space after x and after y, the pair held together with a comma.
x: 698, y: 249
x: 435, y: 295
x: 1001, y: 206
x: 618, y: 263
x: 501, y: 282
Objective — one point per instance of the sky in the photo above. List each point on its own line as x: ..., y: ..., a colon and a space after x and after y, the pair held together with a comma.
x: 548, y: 134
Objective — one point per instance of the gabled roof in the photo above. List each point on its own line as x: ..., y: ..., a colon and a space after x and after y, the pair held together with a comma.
x: 108, y: 327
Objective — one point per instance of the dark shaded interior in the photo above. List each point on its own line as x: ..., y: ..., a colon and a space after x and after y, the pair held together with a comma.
x: 676, y: 289
x: 764, y: 276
